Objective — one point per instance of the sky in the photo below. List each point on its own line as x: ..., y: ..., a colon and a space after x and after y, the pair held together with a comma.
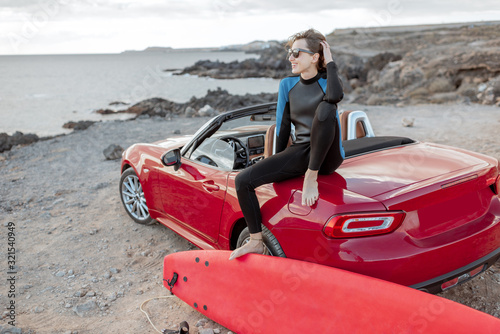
x: 113, y: 26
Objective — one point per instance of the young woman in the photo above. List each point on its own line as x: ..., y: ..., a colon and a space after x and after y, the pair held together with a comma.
x: 307, y: 100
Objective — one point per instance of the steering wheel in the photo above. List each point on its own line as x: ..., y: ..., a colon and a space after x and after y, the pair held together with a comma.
x: 206, y: 160
x: 242, y: 155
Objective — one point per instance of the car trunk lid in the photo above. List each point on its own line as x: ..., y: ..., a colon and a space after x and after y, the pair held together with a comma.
x: 441, y: 187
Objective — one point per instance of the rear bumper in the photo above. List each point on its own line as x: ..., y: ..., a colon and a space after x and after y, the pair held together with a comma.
x: 434, y: 285
x: 422, y: 264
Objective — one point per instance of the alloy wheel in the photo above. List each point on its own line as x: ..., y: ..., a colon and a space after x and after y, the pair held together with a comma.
x: 133, y: 198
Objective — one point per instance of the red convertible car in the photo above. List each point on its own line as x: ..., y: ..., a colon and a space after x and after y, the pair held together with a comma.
x: 414, y: 213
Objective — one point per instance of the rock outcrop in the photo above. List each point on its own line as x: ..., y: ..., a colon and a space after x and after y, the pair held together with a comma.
x: 218, y: 99
x: 272, y: 63
x: 427, y: 64
x: 18, y: 138
x: 78, y: 126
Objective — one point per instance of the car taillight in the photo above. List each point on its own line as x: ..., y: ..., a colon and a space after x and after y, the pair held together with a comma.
x: 496, y: 186
x: 494, y: 183
x: 363, y: 224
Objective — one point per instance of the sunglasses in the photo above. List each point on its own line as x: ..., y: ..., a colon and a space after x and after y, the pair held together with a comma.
x: 296, y: 52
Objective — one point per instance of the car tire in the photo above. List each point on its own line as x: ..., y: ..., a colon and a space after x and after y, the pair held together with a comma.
x: 270, y: 241
x: 133, y: 199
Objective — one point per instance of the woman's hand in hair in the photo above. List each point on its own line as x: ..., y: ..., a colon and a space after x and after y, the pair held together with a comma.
x: 327, y: 52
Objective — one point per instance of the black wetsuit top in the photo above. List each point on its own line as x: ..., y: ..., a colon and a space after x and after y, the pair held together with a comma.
x: 298, y: 100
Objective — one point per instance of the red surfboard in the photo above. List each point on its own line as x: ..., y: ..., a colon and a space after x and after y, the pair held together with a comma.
x: 264, y: 294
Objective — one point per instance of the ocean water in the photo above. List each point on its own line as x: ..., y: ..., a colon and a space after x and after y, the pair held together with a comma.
x: 38, y: 94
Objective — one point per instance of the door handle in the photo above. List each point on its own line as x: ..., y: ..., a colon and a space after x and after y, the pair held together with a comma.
x: 209, y: 186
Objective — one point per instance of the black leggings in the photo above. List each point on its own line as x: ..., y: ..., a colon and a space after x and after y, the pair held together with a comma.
x: 323, y: 153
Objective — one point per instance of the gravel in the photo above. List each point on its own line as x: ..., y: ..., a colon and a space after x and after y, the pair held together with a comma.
x: 84, y: 266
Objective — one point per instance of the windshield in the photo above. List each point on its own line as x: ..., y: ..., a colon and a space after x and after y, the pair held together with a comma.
x: 215, y: 152
x: 232, y: 143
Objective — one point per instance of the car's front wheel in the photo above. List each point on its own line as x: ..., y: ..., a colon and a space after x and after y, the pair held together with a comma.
x: 133, y: 198
x: 270, y: 241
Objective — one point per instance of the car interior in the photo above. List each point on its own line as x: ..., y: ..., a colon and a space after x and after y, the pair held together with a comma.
x: 242, y: 142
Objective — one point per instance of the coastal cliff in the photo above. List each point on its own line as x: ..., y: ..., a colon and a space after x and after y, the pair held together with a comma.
x: 396, y: 65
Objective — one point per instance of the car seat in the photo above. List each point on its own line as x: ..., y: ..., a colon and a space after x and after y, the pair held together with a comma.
x: 360, y: 130
x: 353, y: 124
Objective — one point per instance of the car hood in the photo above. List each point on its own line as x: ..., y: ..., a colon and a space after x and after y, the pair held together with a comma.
x: 394, y: 172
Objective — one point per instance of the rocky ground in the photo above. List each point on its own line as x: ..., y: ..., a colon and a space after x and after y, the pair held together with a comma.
x: 83, y: 266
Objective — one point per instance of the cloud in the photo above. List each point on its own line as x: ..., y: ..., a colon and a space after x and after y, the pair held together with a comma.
x: 18, y: 4
x: 218, y: 8
x: 31, y: 26
x: 259, y: 7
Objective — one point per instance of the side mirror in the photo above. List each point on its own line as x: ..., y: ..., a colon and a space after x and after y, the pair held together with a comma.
x: 172, y: 158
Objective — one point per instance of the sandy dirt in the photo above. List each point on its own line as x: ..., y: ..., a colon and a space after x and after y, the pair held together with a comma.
x: 83, y: 266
